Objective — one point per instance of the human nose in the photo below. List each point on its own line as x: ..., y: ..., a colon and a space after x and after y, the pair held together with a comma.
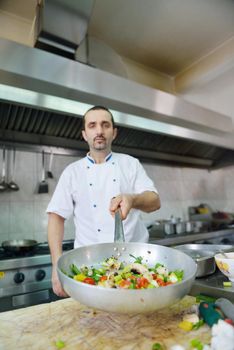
x: 99, y: 130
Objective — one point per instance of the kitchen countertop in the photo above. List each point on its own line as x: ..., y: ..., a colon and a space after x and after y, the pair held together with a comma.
x: 213, y: 286
x: 39, y: 327
x: 176, y: 239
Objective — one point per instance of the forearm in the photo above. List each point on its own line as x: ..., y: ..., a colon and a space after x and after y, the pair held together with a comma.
x: 147, y: 201
x: 55, y: 236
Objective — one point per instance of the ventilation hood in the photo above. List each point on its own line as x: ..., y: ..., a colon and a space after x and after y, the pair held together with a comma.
x: 43, y: 96
x: 62, y: 39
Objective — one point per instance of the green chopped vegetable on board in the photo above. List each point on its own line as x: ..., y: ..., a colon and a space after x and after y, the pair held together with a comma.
x: 196, y: 344
x: 198, y: 324
x: 203, y: 297
x: 157, y: 346
x: 227, y: 284
x: 60, y: 344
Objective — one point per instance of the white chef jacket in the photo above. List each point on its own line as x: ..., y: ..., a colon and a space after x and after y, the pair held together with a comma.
x: 85, y: 190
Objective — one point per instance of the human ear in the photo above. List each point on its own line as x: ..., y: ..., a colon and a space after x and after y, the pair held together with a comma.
x: 84, y: 135
x: 115, y: 133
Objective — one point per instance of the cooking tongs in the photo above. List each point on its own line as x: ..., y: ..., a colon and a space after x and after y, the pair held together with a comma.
x: 119, y: 232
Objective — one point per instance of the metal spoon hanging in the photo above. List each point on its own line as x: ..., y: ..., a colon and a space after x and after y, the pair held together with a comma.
x: 12, y: 185
x: 49, y: 172
x: 3, y: 184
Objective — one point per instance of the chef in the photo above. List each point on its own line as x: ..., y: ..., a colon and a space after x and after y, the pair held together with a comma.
x: 93, y: 188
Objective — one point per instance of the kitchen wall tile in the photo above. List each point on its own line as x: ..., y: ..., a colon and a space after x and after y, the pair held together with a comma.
x: 61, y: 162
x: 40, y: 236
x: 193, y: 174
x: 24, y: 162
x: 69, y: 229
x: 169, y: 190
x: 228, y: 174
x: 192, y: 189
x: 26, y: 188
x: 69, y: 235
x: 52, y: 185
x: 148, y: 218
x: 21, y: 218
x: 4, y: 218
x: 218, y: 204
x: 4, y: 197
x: 21, y: 235
x: 4, y: 237
x: 229, y: 185
x: 40, y: 217
x: 158, y: 173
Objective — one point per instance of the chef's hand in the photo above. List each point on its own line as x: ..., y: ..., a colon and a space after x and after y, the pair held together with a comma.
x: 124, y: 202
x: 57, y: 288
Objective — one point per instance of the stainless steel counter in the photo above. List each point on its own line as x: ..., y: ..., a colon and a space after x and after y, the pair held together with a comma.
x: 213, y: 286
x: 175, y: 239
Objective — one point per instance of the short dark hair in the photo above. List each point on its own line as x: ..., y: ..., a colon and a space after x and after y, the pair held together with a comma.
x: 98, y: 108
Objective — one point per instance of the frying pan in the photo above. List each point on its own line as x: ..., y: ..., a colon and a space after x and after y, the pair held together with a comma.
x: 203, y: 257
x: 121, y: 300
x: 19, y: 246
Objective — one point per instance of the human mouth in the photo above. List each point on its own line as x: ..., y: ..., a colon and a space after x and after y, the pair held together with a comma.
x: 99, y: 139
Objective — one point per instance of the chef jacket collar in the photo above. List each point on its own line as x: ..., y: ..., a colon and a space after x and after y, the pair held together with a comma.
x: 108, y: 157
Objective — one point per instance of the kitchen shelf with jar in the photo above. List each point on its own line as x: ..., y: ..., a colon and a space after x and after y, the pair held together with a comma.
x: 224, y: 236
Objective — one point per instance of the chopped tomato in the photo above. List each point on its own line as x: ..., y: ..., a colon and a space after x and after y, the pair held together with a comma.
x: 103, y: 278
x: 89, y: 280
x: 160, y: 282
x: 167, y: 283
x: 142, y: 283
x: 124, y: 284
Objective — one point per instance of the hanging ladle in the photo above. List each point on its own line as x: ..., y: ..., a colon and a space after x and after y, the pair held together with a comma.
x: 3, y: 184
x: 12, y: 185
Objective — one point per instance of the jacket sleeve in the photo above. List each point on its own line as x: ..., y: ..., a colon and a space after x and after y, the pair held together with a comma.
x: 61, y: 202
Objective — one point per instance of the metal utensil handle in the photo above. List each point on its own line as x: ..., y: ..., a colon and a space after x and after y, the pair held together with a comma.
x: 43, y: 166
x: 13, y: 168
x: 3, y: 163
x: 119, y: 232
x: 51, y: 160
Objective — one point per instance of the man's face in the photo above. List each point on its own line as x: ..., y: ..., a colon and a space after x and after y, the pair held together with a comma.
x: 99, y: 132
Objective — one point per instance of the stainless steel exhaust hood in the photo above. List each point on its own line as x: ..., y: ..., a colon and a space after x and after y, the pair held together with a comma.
x: 43, y: 97
x: 62, y: 25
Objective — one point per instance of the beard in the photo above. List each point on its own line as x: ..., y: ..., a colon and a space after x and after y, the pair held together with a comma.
x: 99, y: 143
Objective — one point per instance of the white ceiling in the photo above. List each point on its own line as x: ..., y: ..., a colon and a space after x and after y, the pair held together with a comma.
x: 167, y: 35
x: 170, y: 36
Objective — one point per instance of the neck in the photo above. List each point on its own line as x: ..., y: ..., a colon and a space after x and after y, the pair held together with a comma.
x: 99, y: 156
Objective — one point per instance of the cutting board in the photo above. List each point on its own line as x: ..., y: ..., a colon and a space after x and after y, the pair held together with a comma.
x: 82, y: 328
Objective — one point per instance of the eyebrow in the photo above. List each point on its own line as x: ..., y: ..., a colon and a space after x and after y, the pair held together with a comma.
x: 102, y: 122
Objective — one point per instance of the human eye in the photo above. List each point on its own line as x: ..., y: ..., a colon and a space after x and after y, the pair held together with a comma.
x: 106, y: 125
x: 91, y: 125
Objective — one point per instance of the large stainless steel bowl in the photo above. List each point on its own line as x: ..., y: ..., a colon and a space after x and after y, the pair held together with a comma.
x: 122, y: 300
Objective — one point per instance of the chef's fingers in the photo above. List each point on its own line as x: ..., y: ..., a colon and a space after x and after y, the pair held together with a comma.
x: 56, y: 285
x: 115, y: 204
x: 126, y: 205
x: 122, y: 202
